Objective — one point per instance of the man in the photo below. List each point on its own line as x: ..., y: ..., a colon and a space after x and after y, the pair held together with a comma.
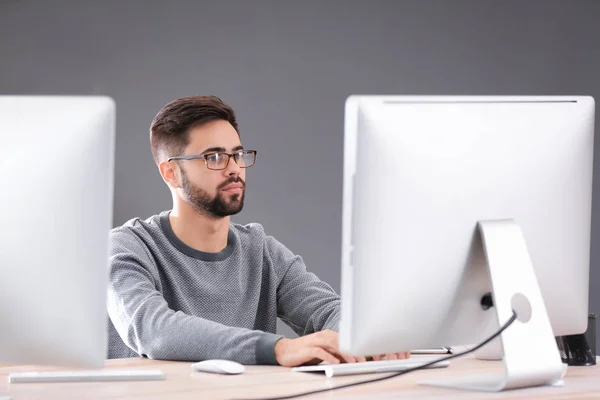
x: 190, y: 285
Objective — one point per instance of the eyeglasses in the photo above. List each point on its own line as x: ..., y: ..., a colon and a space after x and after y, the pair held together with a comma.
x: 220, y: 160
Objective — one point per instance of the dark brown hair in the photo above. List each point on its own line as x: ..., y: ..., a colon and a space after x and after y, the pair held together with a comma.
x: 170, y: 128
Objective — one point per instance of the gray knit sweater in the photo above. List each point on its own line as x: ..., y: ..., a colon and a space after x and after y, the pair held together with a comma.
x: 169, y: 301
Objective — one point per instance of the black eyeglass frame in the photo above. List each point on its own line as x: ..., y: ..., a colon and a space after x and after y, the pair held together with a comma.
x: 237, y: 155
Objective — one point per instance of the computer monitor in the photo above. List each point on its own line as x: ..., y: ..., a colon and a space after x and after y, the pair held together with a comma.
x: 423, y: 175
x: 56, y: 185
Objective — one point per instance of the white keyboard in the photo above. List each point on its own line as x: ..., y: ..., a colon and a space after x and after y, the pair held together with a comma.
x: 371, y: 367
x: 87, y: 376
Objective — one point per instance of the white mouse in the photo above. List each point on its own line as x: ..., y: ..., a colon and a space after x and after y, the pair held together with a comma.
x: 219, y: 367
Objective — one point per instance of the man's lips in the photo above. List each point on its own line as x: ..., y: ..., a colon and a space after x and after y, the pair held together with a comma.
x: 233, y: 187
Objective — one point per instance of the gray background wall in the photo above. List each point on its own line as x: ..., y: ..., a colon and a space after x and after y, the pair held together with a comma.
x: 286, y: 67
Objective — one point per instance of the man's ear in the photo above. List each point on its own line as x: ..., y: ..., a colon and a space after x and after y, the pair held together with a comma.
x: 170, y: 173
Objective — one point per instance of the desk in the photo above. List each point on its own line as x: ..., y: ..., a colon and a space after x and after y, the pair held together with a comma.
x: 182, y: 383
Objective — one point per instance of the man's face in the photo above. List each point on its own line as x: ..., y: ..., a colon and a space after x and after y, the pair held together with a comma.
x: 215, y: 193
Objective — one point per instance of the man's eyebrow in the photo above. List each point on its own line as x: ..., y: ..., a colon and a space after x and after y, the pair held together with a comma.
x: 222, y: 149
x: 213, y: 149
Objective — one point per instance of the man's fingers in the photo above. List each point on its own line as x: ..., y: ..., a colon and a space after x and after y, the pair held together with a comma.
x: 348, y: 358
x: 392, y: 356
x: 341, y: 356
x: 361, y: 359
x: 317, y: 352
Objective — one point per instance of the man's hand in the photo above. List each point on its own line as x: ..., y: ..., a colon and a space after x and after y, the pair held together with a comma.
x: 317, y: 347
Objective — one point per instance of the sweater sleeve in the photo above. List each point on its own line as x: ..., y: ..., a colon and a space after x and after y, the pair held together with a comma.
x: 148, y: 326
x: 304, y: 302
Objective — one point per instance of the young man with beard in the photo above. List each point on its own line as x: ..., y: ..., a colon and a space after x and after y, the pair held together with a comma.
x: 188, y: 284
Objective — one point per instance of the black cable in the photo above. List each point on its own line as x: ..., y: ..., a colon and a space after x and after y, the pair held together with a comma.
x: 406, y: 371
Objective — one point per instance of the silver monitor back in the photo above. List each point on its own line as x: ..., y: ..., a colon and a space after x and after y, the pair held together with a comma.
x: 419, y: 173
x: 56, y: 185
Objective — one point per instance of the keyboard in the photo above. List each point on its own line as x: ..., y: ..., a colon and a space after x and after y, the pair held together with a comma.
x: 106, y: 375
x: 372, y: 367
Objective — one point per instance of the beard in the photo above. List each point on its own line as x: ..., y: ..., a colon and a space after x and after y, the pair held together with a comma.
x: 218, y: 206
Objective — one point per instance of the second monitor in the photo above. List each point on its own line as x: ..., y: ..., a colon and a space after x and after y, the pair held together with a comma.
x: 423, y: 176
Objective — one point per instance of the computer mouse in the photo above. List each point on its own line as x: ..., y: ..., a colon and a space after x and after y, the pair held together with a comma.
x: 219, y: 367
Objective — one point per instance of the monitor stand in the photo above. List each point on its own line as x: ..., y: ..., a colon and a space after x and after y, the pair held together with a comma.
x: 531, y: 356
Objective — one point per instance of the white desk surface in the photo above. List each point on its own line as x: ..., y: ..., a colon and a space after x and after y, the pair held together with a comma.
x: 266, y: 381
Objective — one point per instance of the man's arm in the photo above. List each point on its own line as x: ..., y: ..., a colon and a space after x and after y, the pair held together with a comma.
x: 147, y: 325
x: 312, y: 308
x: 304, y: 302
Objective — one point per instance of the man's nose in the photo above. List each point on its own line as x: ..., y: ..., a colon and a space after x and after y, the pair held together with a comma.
x: 233, y: 169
